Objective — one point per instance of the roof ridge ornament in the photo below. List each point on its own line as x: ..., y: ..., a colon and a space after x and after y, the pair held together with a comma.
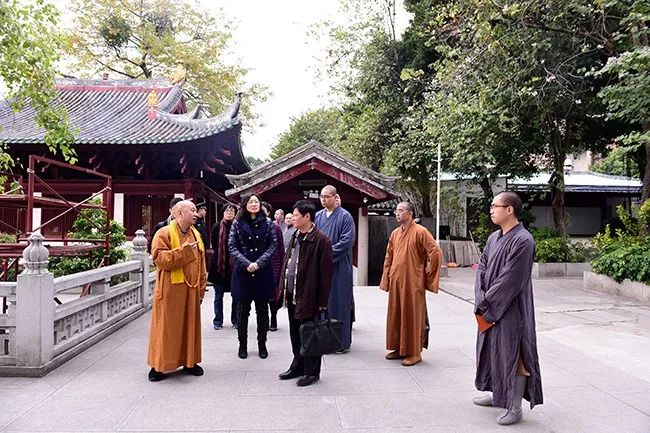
x: 179, y: 75
x: 152, y: 102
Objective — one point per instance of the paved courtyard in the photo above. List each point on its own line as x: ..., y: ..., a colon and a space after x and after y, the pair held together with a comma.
x: 594, y: 355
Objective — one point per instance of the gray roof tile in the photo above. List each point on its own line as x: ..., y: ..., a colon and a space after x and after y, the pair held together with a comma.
x: 115, y: 112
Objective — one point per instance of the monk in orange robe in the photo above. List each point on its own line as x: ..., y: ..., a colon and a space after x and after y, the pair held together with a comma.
x: 179, y: 255
x: 412, y: 265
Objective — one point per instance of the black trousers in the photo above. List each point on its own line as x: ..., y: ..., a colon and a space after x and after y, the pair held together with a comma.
x: 308, y: 365
x: 262, y: 313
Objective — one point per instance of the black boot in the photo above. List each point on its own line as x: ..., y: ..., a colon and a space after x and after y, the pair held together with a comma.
x: 262, y: 312
x: 274, y: 316
x: 243, y: 350
x: 261, y: 346
x: 243, y: 310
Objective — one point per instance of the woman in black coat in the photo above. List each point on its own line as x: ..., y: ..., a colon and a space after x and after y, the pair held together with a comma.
x: 220, y: 270
x: 252, y: 243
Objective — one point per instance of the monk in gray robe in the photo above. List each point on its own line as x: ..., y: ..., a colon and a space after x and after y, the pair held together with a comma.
x: 506, y: 350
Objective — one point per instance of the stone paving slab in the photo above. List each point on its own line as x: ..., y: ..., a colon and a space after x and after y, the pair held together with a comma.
x: 593, y: 356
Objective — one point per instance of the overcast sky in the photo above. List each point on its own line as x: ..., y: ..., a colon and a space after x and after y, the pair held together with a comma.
x: 270, y: 38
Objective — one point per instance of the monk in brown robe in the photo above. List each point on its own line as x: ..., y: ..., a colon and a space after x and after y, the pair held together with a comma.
x: 179, y: 255
x: 412, y: 265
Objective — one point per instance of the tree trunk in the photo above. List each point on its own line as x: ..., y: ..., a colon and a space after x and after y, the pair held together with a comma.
x: 557, y: 183
x: 488, y: 194
x: 424, y: 189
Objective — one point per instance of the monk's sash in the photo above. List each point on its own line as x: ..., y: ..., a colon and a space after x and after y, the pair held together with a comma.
x: 178, y: 276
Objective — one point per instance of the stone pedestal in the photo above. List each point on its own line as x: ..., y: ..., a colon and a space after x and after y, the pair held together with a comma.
x: 362, y: 253
x: 140, y: 253
x: 34, y: 307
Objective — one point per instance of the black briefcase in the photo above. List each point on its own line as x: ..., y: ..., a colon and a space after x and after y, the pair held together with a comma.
x: 321, y: 337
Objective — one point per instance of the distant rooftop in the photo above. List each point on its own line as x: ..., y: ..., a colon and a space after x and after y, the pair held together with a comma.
x: 585, y: 181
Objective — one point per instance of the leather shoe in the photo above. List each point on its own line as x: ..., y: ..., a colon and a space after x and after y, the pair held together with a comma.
x: 156, y: 376
x: 307, y: 380
x: 412, y: 360
x: 289, y: 374
x: 194, y: 371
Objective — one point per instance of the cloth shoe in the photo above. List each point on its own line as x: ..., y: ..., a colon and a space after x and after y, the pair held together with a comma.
x: 411, y: 360
x: 156, y: 376
x: 509, y: 417
x: 514, y: 414
x: 484, y: 400
x: 194, y: 371
x: 393, y: 355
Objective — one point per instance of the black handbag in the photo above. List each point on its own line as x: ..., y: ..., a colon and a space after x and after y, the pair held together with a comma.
x: 321, y: 337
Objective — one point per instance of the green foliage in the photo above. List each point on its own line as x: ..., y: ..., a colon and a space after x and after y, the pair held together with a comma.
x: 553, y: 250
x: 620, y: 161
x: 324, y: 125
x: 632, y: 262
x: 255, y: 162
x: 483, y: 230
x: 560, y: 249
x: 90, y: 224
x: 627, y: 94
x: 150, y: 39
x: 542, y: 233
x: 6, y: 238
x: 626, y: 252
x: 29, y: 50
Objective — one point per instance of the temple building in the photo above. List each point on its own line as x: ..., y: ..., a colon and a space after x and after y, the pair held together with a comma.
x: 139, y: 132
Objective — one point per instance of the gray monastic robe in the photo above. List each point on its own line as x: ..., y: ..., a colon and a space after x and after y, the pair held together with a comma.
x: 504, y: 294
x: 339, y: 227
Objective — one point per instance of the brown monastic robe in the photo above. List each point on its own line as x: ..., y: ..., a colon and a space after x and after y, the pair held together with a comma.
x: 175, y: 338
x: 412, y: 265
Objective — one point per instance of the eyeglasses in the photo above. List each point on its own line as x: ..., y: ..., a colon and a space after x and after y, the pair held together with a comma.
x: 326, y: 196
x: 229, y: 210
x: 492, y: 206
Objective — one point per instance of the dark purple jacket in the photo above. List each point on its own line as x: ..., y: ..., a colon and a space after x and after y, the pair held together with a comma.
x: 313, y: 275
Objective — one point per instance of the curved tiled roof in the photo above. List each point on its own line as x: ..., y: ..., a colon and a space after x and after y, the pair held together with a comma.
x: 115, y: 112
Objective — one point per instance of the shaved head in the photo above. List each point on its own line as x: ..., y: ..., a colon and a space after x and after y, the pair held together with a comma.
x: 329, y: 190
x: 181, y: 205
x: 409, y: 207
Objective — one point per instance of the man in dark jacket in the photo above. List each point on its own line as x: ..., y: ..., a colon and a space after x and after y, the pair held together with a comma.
x: 201, y: 211
x: 306, y: 279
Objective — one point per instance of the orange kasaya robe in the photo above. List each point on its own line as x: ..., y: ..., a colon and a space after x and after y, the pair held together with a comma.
x: 175, y: 337
x: 412, y: 265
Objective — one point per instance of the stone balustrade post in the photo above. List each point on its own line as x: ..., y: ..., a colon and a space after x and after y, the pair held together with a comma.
x: 35, y: 307
x: 140, y: 253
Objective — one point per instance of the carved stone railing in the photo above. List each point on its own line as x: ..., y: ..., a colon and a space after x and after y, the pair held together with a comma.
x: 8, y: 324
x: 36, y: 335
